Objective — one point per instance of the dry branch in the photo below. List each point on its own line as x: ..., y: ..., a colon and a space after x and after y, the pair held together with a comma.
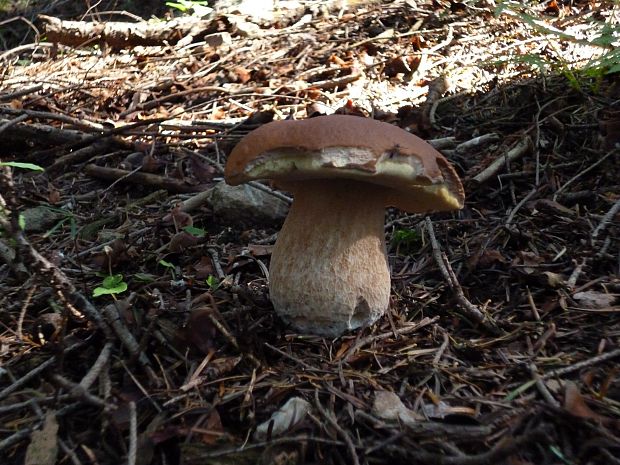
x: 36, y: 134
x: 520, y: 149
x: 121, y: 34
x: 145, y: 179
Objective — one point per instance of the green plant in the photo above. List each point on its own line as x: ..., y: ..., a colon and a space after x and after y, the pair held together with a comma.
x: 196, y: 7
x: 194, y: 231
x: 18, y: 164
x: 168, y: 265
x: 111, y: 285
x: 405, y: 239
x: 213, y: 283
x: 602, y: 45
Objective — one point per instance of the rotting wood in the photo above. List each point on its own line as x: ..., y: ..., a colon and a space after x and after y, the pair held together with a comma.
x: 120, y: 35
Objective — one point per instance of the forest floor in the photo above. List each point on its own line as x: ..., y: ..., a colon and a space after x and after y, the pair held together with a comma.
x: 181, y: 358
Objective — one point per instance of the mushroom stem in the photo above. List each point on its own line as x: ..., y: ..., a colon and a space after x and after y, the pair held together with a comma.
x: 329, y: 270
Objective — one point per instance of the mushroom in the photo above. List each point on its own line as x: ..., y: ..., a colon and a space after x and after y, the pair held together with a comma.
x: 329, y: 269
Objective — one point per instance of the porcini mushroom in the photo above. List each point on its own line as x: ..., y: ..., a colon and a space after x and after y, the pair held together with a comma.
x: 329, y: 270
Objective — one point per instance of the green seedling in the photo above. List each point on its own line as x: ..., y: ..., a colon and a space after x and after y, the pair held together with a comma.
x: 111, y: 285
x: 197, y: 7
x: 194, y: 231
x: 213, y: 283
x: 405, y: 239
x: 168, y: 265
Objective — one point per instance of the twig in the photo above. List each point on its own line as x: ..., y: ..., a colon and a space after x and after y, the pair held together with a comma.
x: 20, y: 93
x: 517, y: 151
x: 379, y: 337
x: 469, y: 309
x: 290, y: 357
x: 518, y: 206
x: 571, y: 282
x: 429, y: 428
x: 270, y: 191
x: 232, y: 339
x: 133, y: 434
x: 77, y: 122
x: 78, y: 392
x: 147, y: 179
x: 215, y: 258
x: 500, y: 450
x: 114, y: 319
x: 332, y: 421
x: 559, y: 372
x: 542, y: 387
x: 13, y: 122
x: 581, y: 173
x: 34, y: 373
x: 607, y: 219
x: 477, y: 142
x: 69, y: 452
x: 92, y: 375
x: 272, y: 442
x: 442, y: 347
x: 15, y: 438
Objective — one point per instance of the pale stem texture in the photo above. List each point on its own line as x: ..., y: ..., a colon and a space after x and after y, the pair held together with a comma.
x: 329, y: 270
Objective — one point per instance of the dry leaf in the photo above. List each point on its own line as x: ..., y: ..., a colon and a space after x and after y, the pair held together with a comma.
x: 594, y: 299
x: 259, y: 250
x: 43, y: 447
x: 283, y: 419
x: 554, y: 279
x: 576, y: 404
x: 213, y: 428
x: 441, y: 410
x: 200, y: 330
x: 203, y: 171
x: 388, y: 406
x: 179, y: 218
x: 204, y: 268
x: 181, y: 241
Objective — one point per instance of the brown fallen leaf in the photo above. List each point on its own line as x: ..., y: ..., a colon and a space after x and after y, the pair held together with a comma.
x: 200, y: 330
x: 43, y: 447
x: 178, y: 218
x: 575, y: 403
x: 181, y: 241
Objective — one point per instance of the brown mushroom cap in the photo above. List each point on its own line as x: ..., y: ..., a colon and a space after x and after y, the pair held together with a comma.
x: 418, y: 178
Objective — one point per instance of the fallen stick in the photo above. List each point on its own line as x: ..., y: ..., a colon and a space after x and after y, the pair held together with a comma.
x: 121, y: 34
x: 470, y: 310
x: 517, y: 151
x: 145, y: 179
x: 38, y: 134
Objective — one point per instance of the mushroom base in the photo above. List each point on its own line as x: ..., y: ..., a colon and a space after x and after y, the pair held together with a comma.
x: 329, y: 271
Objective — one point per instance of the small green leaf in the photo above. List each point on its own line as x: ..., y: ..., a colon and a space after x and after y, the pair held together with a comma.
x: 194, y: 231
x: 213, y: 282
x: 121, y: 287
x: 112, y: 281
x: 21, y: 221
x: 163, y: 262
x: 406, y: 236
x: 18, y: 164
